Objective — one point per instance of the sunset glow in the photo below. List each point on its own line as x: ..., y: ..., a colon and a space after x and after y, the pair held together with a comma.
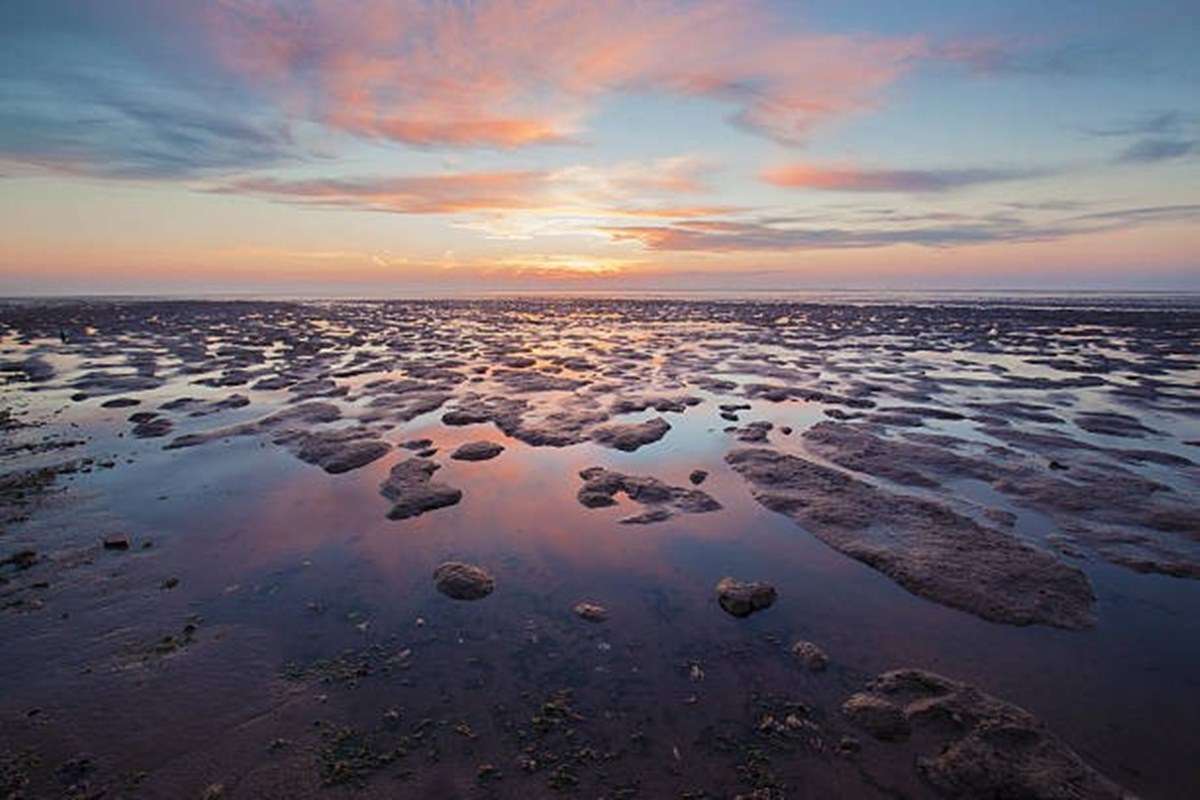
x: 391, y: 146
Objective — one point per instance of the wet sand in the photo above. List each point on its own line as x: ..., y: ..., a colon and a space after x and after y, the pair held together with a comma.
x: 220, y: 524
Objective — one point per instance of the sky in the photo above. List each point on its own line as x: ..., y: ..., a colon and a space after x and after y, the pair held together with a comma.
x: 387, y: 147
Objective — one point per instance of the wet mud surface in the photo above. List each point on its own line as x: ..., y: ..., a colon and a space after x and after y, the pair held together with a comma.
x: 524, y: 548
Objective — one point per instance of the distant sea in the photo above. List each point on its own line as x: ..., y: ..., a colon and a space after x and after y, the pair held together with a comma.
x: 1032, y: 298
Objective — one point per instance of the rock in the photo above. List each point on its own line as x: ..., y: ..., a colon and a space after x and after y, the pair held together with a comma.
x: 307, y: 414
x: 22, y: 559
x: 980, y: 746
x: 657, y: 514
x: 661, y: 404
x: 697, y: 476
x: 855, y: 447
x: 1111, y: 424
x: 811, y: 656
x: 463, y: 581
x: 848, y: 745
x: 116, y: 541
x: 413, y: 492
x: 1098, y: 497
x: 523, y: 381
x: 229, y: 403
x: 592, y: 612
x: 153, y: 428
x: 477, y: 451
x: 924, y: 546
x: 631, y: 436
x: 121, y: 402
x: 754, y: 432
x: 335, y: 451
x: 743, y: 599
x: 602, y: 485
x: 880, y: 717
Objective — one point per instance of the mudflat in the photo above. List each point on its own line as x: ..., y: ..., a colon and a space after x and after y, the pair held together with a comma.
x: 469, y: 549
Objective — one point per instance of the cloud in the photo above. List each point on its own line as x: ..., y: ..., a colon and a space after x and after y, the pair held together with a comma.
x: 781, y: 234
x: 75, y: 100
x: 1158, y: 123
x: 1156, y: 136
x: 509, y: 200
x: 1031, y: 57
x: 429, y: 194
x: 507, y: 73
x: 1147, y: 151
x: 855, y: 179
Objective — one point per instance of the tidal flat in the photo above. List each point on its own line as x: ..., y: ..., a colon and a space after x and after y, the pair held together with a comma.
x: 601, y: 548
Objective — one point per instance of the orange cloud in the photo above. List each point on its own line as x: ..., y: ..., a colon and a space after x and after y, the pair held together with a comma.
x: 507, y: 73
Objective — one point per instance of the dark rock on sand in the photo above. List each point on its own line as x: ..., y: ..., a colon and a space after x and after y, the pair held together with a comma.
x: 661, y: 404
x: 336, y: 451
x: 631, y: 436
x: 743, y: 599
x: 413, y: 492
x: 754, y: 432
x: 22, y: 559
x: 856, y: 447
x: 310, y: 413
x: 1112, y: 424
x: 116, y: 541
x: 229, y: 403
x: 924, y: 546
x: 601, y: 487
x: 1098, y: 496
x: 648, y: 517
x: 463, y: 581
x: 592, y: 612
x: 979, y: 746
x: 880, y: 717
x: 697, y: 476
x: 811, y: 656
x: 121, y: 402
x: 477, y: 451
x: 153, y: 428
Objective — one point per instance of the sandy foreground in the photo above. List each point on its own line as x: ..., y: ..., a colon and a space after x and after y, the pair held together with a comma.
x: 598, y: 548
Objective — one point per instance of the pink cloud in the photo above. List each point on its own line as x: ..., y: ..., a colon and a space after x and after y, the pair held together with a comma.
x: 507, y: 73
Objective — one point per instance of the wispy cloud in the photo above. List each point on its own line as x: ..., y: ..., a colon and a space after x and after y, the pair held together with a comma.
x: 92, y: 106
x: 1146, y: 151
x: 624, y: 190
x: 427, y: 194
x: 1037, y: 57
x: 846, y: 178
x: 1155, y: 137
x: 782, y: 234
